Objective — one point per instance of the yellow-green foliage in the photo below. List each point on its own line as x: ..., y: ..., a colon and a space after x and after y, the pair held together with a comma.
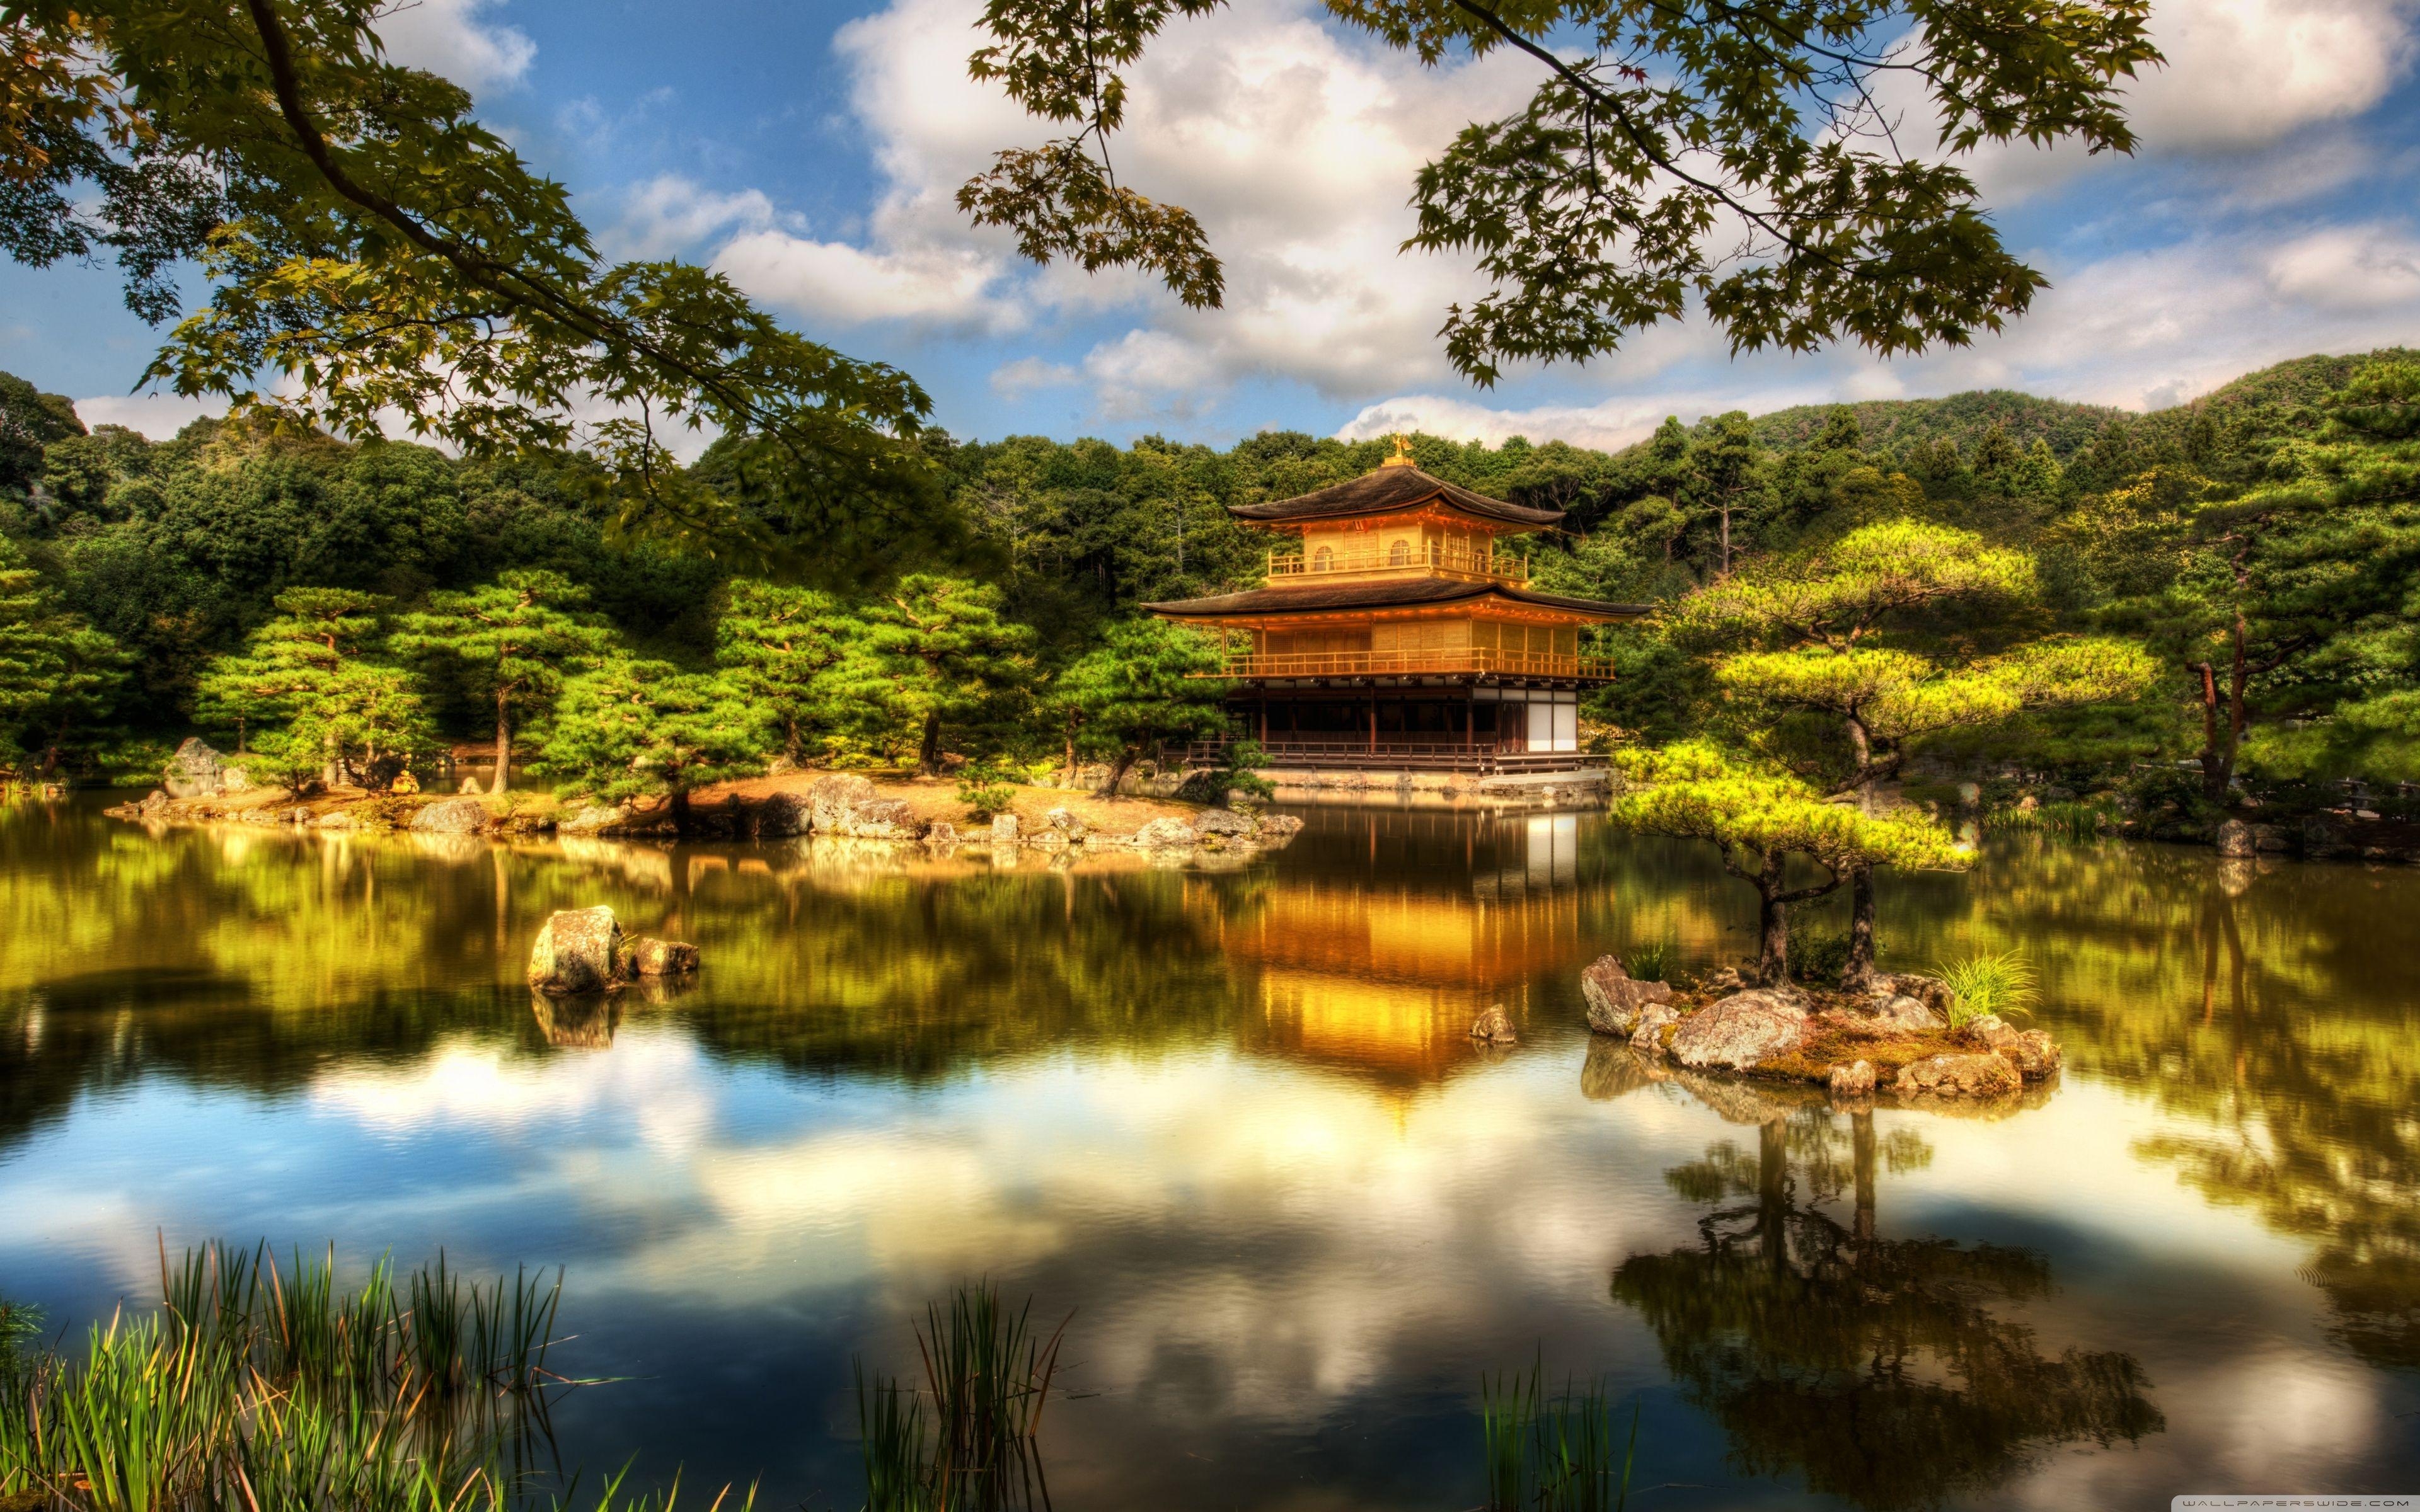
x: 1691, y: 791
x: 1998, y: 984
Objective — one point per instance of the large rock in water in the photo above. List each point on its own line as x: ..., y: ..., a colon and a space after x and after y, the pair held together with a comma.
x: 2235, y: 837
x: 648, y: 956
x: 578, y: 950
x: 1740, y: 1032
x: 1493, y: 1028
x: 1164, y: 833
x: 195, y: 771
x: 1221, y: 822
x: 1614, y: 997
x: 452, y: 816
x: 1959, y: 1076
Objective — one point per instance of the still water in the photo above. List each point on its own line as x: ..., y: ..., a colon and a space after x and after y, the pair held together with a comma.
x: 1232, y: 1124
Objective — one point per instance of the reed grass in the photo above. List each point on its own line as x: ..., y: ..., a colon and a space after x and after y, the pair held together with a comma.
x: 987, y: 1374
x: 275, y: 1388
x: 2065, y: 820
x: 1551, y: 1453
x: 1999, y: 984
x: 1654, y: 960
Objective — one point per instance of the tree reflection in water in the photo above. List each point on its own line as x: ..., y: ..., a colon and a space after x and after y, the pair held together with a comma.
x: 1884, y: 1371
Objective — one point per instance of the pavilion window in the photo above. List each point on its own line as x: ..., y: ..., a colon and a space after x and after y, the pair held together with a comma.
x: 1400, y: 554
x: 1324, y: 560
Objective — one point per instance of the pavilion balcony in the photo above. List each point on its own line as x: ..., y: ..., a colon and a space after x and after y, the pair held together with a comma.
x: 1434, y: 560
x: 1437, y: 662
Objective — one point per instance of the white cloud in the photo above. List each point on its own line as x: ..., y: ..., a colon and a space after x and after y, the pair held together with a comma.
x: 450, y: 38
x: 2354, y: 269
x: 948, y: 286
x: 669, y: 215
x: 1015, y: 380
x: 156, y: 414
x: 2245, y: 73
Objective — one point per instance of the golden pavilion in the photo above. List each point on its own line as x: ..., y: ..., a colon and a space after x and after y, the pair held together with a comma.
x: 1404, y: 634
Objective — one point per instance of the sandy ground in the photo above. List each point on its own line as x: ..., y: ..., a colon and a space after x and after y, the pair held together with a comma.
x: 937, y: 798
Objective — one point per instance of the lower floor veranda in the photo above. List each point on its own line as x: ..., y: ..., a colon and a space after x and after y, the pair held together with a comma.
x: 1411, y: 724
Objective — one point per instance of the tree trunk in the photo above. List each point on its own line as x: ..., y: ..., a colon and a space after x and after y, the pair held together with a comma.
x: 504, y: 742
x: 928, y: 756
x: 684, y: 818
x: 1727, y: 540
x: 1118, y: 769
x: 2217, y: 753
x: 1858, y: 973
x: 1772, y: 927
x: 792, y: 747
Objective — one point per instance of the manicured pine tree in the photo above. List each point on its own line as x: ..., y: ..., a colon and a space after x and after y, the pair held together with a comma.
x: 1757, y: 818
x: 514, y: 638
x: 637, y: 729
x: 778, y: 646
x: 312, y: 669
x: 1148, y: 680
x: 936, y: 650
x: 1823, y: 618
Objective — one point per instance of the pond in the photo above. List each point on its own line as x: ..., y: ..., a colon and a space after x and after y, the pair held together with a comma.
x: 1232, y: 1123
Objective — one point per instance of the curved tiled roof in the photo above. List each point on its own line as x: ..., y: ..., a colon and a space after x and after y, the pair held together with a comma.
x: 1411, y: 591
x: 1388, y: 490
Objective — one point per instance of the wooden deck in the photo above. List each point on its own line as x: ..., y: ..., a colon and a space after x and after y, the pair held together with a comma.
x: 1395, y: 754
x: 1473, y: 661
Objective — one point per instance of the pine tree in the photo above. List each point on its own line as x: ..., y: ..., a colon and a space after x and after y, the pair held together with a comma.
x: 778, y: 646
x: 934, y: 650
x: 1148, y: 680
x: 1823, y: 620
x: 56, y: 672
x: 515, y: 637
x: 635, y: 729
x: 341, y: 712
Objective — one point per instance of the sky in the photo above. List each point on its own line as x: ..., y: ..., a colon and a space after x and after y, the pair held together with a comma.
x: 810, y: 151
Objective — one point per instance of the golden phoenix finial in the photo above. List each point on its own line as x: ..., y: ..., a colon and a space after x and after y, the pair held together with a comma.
x: 1403, y: 458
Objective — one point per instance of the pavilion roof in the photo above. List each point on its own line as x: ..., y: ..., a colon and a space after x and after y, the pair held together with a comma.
x: 1402, y: 592
x: 1389, y: 490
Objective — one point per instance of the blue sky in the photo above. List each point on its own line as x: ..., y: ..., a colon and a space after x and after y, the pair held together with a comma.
x: 810, y: 151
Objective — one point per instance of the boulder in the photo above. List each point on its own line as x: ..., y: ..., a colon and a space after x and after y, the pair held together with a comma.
x: 1957, y: 1077
x: 1279, y: 827
x: 941, y: 835
x: 1492, y: 1027
x: 451, y: 817
x: 1898, y: 1013
x: 2323, y: 839
x: 832, y: 801
x: 1064, y: 823
x: 1164, y: 833
x: 1930, y: 990
x: 153, y: 801
x: 2235, y: 837
x: 1740, y: 1032
x: 1648, y: 1038
x: 470, y: 784
x: 647, y: 956
x: 235, y: 779
x: 578, y: 951
x: 195, y: 771
x: 1614, y: 997
x: 1221, y: 822
x: 1004, y: 829
x: 2032, y: 1052
x: 1854, y: 1080
x: 593, y: 819
x: 883, y: 819
x: 337, y: 819
x: 784, y: 816
x: 1726, y: 981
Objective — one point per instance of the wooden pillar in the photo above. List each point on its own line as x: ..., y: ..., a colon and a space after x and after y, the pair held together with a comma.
x: 1373, y: 722
x: 1264, y: 717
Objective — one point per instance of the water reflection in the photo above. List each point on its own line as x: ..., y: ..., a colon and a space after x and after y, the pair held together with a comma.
x: 1235, y: 1121
x: 1888, y: 1372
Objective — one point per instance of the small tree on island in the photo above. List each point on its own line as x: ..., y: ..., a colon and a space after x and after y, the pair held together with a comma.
x: 1147, y: 681
x: 342, y: 712
x: 636, y: 728
x: 1758, y: 819
x: 778, y: 646
x: 934, y: 650
x: 1820, y: 617
x: 514, y: 638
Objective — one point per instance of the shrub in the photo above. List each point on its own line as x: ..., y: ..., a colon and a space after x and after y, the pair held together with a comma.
x: 1997, y: 984
x: 1818, y: 955
x: 985, y: 791
x: 1654, y: 960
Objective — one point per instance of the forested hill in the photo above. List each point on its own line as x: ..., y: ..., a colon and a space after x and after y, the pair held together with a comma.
x: 173, y: 552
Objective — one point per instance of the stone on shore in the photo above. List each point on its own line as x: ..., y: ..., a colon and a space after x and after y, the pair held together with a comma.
x: 1004, y: 829
x: 1065, y: 824
x: 1740, y: 1032
x: 1854, y: 1080
x: 941, y: 835
x: 784, y: 816
x: 2235, y: 837
x: 1493, y: 1028
x: 1276, y: 829
x: 1648, y: 1038
x: 849, y: 807
x: 648, y: 956
x: 1164, y: 833
x: 1898, y: 1013
x: 1221, y: 822
x: 1963, y: 1077
x: 593, y: 819
x: 451, y: 817
x: 578, y: 951
x: 196, y: 771
x: 1614, y: 997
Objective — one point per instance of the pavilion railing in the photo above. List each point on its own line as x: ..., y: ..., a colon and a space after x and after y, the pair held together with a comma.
x: 1429, y: 560
x: 1412, y: 663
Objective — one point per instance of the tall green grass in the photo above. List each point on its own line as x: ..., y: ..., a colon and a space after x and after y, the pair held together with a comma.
x: 1999, y: 984
x: 2064, y: 819
x: 988, y: 1376
x: 1654, y: 960
x: 271, y: 1387
x: 1551, y: 1454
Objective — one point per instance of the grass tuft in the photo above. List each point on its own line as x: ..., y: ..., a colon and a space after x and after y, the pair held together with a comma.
x: 1554, y: 1454
x: 1999, y: 984
x: 987, y: 1375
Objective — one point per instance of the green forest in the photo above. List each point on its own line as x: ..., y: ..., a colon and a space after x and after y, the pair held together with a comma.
x: 2259, y: 544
